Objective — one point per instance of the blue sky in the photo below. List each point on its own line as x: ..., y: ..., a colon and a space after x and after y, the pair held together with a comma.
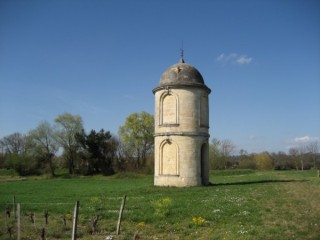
x: 101, y: 59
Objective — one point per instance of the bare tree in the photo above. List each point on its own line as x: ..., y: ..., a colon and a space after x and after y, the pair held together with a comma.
x: 313, y: 148
x: 226, y: 148
x: 302, y: 151
x: 294, y: 152
x: 14, y: 143
x: 220, y: 152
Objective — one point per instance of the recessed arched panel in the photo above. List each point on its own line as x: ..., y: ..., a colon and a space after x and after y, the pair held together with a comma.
x: 169, y: 162
x: 204, y: 112
x: 169, y: 109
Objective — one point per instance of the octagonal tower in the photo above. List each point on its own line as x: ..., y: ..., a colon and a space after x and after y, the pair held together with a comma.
x: 181, y: 128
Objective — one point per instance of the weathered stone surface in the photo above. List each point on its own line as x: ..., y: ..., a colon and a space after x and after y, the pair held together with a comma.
x: 181, y: 128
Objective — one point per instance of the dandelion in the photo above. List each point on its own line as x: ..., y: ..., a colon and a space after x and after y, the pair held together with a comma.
x: 141, y: 224
x: 198, y: 221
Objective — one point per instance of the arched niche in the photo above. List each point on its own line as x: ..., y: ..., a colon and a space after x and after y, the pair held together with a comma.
x: 169, y: 109
x: 169, y: 158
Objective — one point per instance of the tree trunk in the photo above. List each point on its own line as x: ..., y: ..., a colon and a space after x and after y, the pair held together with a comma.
x: 302, y: 167
x: 51, y: 166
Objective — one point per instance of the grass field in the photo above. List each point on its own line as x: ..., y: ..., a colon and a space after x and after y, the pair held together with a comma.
x: 241, y: 204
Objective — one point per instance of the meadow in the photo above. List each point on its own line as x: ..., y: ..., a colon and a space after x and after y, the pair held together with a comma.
x: 240, y: 204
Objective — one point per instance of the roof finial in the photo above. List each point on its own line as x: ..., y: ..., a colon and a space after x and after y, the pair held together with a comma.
x: 181, y: 53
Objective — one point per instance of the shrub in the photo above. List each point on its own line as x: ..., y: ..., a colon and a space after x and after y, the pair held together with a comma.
x: 23, y: 164
x: 162, y: 207
x: 263, y: 161
x: 247, y: 163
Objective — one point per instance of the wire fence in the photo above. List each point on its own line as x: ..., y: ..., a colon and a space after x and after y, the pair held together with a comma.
x: 61, y: 220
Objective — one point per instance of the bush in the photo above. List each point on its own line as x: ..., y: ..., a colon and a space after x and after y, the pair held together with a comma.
x: 162, y: 207
x: 7, y: 172
x: 23, y: 164
x: 247, y: 163
x: 263, y: 161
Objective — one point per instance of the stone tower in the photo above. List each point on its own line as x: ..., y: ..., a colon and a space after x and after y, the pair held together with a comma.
x: 181, y: 128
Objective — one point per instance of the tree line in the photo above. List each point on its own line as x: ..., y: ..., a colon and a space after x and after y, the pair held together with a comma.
x: 65, y: 144
x: 304, y: 157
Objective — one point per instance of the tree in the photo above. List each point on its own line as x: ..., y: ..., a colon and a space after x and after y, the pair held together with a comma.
x: 294, y: 152
x: 137, y: 135
x: 220, y: 152
x: 98, y: 151
x: 313, y: 148
x: 16, y: 154
x: 227, y: 148
x: 302, y: 151
x: 45, y: 144
x: 14, y: 143
x: 282, y: 161
x: 215, y: 154
x: 24, y: 164
x: 263, y: 161
x: 121, y: 162
x: 246, y: 160
x: 68, y: 126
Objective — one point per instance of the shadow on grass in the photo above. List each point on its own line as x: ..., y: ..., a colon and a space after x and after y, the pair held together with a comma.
x: 255, y: 182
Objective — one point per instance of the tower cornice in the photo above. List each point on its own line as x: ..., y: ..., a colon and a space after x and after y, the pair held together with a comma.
x: 191, y: 134
x: 181, y: 86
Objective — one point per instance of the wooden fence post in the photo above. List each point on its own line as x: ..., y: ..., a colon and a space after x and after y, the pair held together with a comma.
x: 43, y: 234
x: 14, y: 207
x: 120, y: 213
x: 18, y: 221
x: 75, y: 221
x: 46, y: 216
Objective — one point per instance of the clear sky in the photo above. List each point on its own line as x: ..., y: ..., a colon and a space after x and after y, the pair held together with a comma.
x: 101, y: 59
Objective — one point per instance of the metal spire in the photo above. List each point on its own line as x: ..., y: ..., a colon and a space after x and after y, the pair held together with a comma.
x: 181, y: 53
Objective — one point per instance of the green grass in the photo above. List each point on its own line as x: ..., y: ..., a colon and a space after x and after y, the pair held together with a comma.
x: 240, y: 204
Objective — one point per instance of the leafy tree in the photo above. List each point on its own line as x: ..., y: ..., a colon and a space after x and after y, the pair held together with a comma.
x: 245, y: 160
x: 137, y: 135
x: 247, y: 163
x: 15, y: 150
x: 68, y: 126
x: 263, y: 161
x: 215, y: 154
x: 98, y: 151
x: 24, y: 164
x: 44, y: 144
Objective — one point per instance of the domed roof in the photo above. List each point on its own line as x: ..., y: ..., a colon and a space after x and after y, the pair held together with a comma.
x: 181, y: 74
